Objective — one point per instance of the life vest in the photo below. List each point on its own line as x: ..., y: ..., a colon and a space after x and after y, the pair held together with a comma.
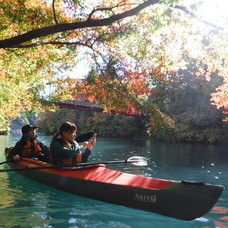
x: 31, y: 149
x: 76, y: 159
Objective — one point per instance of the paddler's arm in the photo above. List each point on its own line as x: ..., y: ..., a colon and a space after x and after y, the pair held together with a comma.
x: 89, y: 146
x: 15, y: 153
x: 91, y: 143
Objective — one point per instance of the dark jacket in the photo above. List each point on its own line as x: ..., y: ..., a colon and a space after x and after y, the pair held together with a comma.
x: 59, y: 152
x: 19, y: 147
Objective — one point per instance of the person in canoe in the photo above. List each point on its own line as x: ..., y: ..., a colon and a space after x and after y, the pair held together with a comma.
x: 29, y: 147
x: 66, y: 150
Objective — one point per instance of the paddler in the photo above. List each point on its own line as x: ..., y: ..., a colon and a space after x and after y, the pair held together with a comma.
x: 29, y: 146
x: 66, y: 150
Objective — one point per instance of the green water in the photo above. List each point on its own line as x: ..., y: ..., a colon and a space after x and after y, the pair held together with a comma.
x: 25, y: 203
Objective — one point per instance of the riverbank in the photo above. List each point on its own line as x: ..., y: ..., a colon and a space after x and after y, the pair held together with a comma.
x: 114, y: 126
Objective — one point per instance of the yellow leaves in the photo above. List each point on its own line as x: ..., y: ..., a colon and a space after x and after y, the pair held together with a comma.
x: 11, y: 99
x: 2, y: 73
x: 23, y: 76
x: 3, y: 52
x: 34, y: 3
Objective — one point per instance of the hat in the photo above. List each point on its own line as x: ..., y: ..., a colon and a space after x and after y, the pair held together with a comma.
x: 25, y: 129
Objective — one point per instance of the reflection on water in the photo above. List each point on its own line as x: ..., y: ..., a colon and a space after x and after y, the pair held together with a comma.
x: 7, y: 198
x: 25, y: 203
x: 222, y: 221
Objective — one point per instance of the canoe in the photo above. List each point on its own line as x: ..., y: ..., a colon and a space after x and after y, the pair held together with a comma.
x: 177, y: 199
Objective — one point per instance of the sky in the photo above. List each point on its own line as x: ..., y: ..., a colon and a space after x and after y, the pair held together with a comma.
x: 214, y: 11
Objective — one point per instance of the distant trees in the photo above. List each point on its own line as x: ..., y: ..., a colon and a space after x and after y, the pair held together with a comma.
x: 105, y: 125
x: 187, y: 100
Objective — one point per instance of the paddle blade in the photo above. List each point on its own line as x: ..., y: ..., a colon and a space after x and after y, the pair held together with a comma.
x: 138, y: 160
x: 85, y: 137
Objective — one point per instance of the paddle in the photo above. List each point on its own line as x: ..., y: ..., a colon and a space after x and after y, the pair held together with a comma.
x: 5, y: 162
x: 85, y: 137
x: 135, y: 160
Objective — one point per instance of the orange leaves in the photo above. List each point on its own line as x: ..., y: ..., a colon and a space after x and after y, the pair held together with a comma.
x: 106, y: 90
x: 125, y: 94
x: 220, y: 99
x: 137, y: 82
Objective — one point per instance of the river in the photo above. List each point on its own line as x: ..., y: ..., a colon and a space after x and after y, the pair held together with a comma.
x: 25, y: 203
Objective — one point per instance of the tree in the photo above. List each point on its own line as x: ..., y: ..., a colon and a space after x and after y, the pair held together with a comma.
x: 43, y: 37
x: 196, y: 119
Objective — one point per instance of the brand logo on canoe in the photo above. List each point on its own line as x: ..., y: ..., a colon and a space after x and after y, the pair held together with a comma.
x: 145, y: 198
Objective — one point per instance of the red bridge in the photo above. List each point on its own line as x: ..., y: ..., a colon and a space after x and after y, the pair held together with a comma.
x: 88, y: 106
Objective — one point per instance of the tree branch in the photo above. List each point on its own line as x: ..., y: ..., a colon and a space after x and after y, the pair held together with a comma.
x: 193, y: 15
x: 16, y: 41
x: 53, y: 43
x: 100, y: 9
x: 54, y: 14
x: 34, y: 34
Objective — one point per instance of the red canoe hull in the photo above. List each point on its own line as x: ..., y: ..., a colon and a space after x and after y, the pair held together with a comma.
x: 182, y: 200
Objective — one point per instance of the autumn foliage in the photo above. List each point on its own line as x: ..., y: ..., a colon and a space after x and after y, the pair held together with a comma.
x: 132, y: 48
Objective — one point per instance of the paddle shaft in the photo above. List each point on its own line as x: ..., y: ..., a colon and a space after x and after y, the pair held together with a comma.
x: 1, y: 163
x: 71, y: 165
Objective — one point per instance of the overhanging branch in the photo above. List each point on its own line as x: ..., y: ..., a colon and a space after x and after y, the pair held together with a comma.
x: 15, y: 42
x: 54, y: 14
x: 193, y: 15
x: 52, y: 43
x: 34, y: 34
